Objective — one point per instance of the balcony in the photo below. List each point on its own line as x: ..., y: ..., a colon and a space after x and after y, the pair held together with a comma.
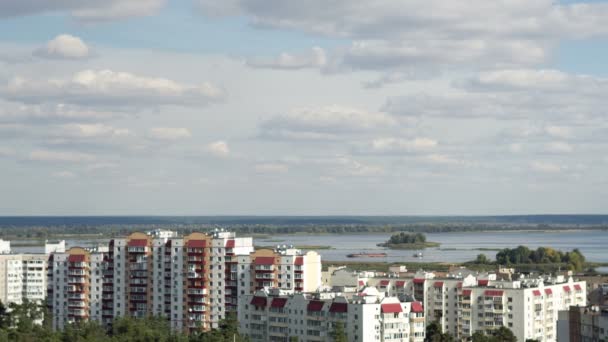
x: 200, y: 292
x: 197, y: 308
x: 77, y: 272
x: 194, y: 275
x: 76, y: 296
x: 76, y: 280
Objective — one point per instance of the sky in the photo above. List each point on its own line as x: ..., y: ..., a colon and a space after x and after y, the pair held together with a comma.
x: 272, y: 107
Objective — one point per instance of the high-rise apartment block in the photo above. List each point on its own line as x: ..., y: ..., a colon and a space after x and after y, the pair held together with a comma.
x: 22, y: 276
x: 192, y: 280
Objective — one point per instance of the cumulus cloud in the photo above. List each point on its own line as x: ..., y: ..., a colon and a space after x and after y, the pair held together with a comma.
x: 64, y: 46
x: 218, y: 148
x: 46, y: 113
x: 169, y: 133
x: 402, y: 145
x: 545, y: 167
x: 511, y: 94
x: 84, y: 10
x: 316, y: 58
x: 90, y: 131
x: 390, y: 35
x: 52, y: 156
x: 271, y: 168
x: 109, y: 88
x: 6, y: 151
x: 323, y: 123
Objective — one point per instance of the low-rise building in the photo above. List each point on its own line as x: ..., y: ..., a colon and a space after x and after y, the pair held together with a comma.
x: 273, y: 315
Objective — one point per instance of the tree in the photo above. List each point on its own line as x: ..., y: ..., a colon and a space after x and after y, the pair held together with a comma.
x: 339, y: 334
x: 503, y: 334
x: 434, y: 334
x: 482, y: 259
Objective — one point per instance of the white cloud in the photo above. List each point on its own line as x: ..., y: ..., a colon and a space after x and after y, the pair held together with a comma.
x: 64, y: 174
x: 316, y: 58
x: 545, y: 167
x: 403, y: 145
x: 110, y: 88
x: 64, y: 46
x: 45, y: 113
x: 90, y: 131
x: 558, y: 147
x: 6, y: 151
x: 443, y: 159
x: 218, y: 148
x: 60, y: 156
x: 170, y: 133
x: 351, y: 167
x: 324, y: 123
x: 558, y: 131
x: 84, y: 10
x: 271, y: 168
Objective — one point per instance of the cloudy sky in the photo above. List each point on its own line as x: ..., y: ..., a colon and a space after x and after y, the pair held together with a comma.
x: 202, y: 107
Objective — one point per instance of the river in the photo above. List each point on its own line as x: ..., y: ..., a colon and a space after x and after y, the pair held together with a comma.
x: 455, y: 247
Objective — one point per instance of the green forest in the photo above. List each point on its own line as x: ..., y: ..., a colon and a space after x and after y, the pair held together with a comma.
x: 522, y: 255
x: 405, y: 240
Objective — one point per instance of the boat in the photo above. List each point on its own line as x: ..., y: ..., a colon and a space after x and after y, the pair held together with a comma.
x: 366, y: 255
x: 418, y: 255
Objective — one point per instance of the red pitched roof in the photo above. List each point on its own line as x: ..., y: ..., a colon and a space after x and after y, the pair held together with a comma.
x: 258, y: 301
x: 197, y: 243
x: 338, y: 307
x: 577, y: 287
x: 384, y: 283
x: 391, y: 308
x: 315, y: 305
x: 567, y: 288
x: 548, y: 292
x: 299, y: 260
x: 76, y: 258
x: 419, y: 280
x: 230, y: 244
x: 400, y: 283
x: 466, y: 293
x: 264, y: 261
x: 438, y: 284
x: 493, y: 293
x: 459, y: 285
x: 138, y: 243
x: 361, y: 283
x: 278, y: 302
x: 536, y: 293
x: 482, y: 282
x: 417, y: 307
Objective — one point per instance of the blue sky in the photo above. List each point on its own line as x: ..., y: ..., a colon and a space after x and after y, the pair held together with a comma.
x: 199, y: 107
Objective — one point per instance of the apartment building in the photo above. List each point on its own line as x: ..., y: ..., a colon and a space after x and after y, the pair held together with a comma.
x: 583, y: 324
x: 467, y: 302
x: 192, y: 280
x: 285, y: 268
x: 22, y: 276
x: 274, y: 315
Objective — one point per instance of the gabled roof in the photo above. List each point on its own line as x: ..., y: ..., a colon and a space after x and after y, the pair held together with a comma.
x: 438, y: 284
x: 536, y: 293
x: 315, y: 305
x: 230, y: 244
x: 417, y: 307
x: 197, y: 243
x: 299, y: 261
x: 567, y: 288
x: 138, y: 243
x: 548, y: 292
x: 466, y: 293
x: 400, y: 283
x: 278, y: 302
x: 264, y: 261
x: 76, y: 258
x: 482, y: 282
x: 419, y: 280
x: 384, y: 283
x: 577, y: 287
x: 259, y: 301
x: 391, y: 308
x: 338, y: 307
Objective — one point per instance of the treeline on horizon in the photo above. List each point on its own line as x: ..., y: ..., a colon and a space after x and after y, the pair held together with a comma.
x: 115, y: 230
